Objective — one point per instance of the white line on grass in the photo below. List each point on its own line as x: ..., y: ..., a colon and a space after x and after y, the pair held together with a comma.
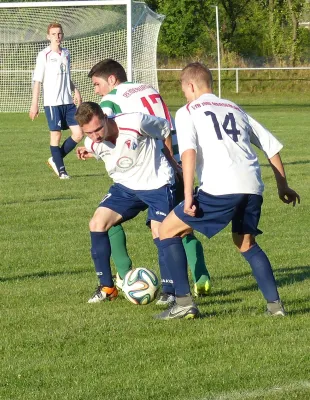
x: 247, y: 394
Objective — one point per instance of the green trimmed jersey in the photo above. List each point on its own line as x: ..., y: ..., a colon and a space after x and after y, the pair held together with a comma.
x: 130, y: 97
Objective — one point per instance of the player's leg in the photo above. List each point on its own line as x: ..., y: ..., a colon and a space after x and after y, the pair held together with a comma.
x: 245, y: 228
x: 123, y: 201
x: 174, y: 254
x: 196, y: 261
x: 167, y: 295
x: 69, y: 144
x: 99, y: 225
x: 120, y: 255
x: 194, y: 253
x: 160, y: 202
x: 55, y: 123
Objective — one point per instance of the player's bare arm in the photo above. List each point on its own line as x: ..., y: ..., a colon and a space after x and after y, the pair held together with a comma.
x: 286, y: 194
x: 34, y: 109
x: 189, y: 166
x: 77, y: 95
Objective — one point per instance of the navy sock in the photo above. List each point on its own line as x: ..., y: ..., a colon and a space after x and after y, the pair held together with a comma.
x: 175, y: 259
x: 262, y: 272
x: 166, y: 280
x: 101, y: 253
x: 67, y: 146
x: 57, y: 158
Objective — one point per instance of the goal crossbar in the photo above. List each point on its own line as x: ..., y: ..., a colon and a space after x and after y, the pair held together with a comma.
x: 128, y: 35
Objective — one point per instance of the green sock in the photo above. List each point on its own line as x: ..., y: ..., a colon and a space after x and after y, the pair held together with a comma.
x: 195, y: 258
x: 119, y: 253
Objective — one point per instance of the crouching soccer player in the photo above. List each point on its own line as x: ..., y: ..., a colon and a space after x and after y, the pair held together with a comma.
x: 129, y: 146
x: 214, y: 137
x: 120, y: 96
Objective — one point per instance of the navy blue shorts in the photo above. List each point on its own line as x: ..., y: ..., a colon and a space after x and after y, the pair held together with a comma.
x: 59, y: 118
x: 214, y: 213
x: 128, y: 203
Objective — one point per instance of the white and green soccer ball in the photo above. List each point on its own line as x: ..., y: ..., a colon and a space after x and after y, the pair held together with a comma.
x: 140, y: 286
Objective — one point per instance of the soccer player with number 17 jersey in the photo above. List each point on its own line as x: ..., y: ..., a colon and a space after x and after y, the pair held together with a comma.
x: 119, y: 96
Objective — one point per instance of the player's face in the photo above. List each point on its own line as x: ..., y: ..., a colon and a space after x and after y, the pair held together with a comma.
x: 101, y: 86
x: 95, y: 129
x: 55, y: 36
x: 187, y: 89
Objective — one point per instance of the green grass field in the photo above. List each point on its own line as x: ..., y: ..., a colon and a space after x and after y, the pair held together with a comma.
x: 56, y: 346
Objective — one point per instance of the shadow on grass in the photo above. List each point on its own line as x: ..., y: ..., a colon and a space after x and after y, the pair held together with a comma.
x: 290, y: 163
x: 60, y: 198
x: 295, y: 274
x: 42, y: 274
x: 291, y: 275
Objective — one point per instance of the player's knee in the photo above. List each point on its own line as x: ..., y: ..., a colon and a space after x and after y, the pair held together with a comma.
x: 99, y: 225
x: 77, y: 136
x: 243, y: 242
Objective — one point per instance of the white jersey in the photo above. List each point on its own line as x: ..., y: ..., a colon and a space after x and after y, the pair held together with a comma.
x: 130, y: 97
x: 136, y: 160
x: 220, y: 133
x: 53, y: 70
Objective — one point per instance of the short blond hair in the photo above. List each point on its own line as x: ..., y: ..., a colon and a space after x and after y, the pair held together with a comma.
x: 54, y: 25
x: 198, y: 73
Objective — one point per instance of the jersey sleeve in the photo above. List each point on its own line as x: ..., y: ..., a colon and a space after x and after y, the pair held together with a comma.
x: 38, y: 74
x: 92, y: 147
x: 155, y: 127
x: 186, y: 131
x: 263, y: 139
x: 110, y: 108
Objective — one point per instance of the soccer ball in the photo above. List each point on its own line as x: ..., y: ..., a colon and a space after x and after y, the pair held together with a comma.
x: 140, y: 286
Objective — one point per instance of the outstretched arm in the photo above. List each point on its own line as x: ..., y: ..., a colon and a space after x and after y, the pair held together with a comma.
x: 286, y: 194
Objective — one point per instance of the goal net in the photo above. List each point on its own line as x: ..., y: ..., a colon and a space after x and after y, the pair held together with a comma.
x: 91, y: 33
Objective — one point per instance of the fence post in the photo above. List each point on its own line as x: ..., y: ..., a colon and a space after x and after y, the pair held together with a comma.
x: 237, y: 80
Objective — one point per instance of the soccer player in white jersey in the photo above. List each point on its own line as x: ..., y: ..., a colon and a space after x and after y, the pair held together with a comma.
x: 53, y: 72
x: 214, y: 137
x: 143, y: 178
x: 110, y: 81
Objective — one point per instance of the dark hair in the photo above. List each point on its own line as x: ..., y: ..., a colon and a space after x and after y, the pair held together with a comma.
x: 86, y: 112
x: 107, y: 67
x: 199, y: 73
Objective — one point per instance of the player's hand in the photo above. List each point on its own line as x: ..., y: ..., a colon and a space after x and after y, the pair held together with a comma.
x: 77, y: 98
x: 288, y: 195
x: 189, y: 206
x: 82, y: 153
x: 34, y: 112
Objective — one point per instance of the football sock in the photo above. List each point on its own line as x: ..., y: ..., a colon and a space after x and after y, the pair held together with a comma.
x: 67, y: 146
x: 101, y: 252
x: 57, y: 158
x: 166, y: 280
x: 120, y: 255
x: 184, y: 301
x: 175, y: 259
x: 262, y: 272
x: 195, y: 257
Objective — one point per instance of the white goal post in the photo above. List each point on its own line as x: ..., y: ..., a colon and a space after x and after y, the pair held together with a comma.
x: 124, y: 30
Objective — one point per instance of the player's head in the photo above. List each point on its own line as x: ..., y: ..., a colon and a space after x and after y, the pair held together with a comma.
x: 93, y: 121
x: 55, y: 33
x: 106, y: 75
x: 196, y: 79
